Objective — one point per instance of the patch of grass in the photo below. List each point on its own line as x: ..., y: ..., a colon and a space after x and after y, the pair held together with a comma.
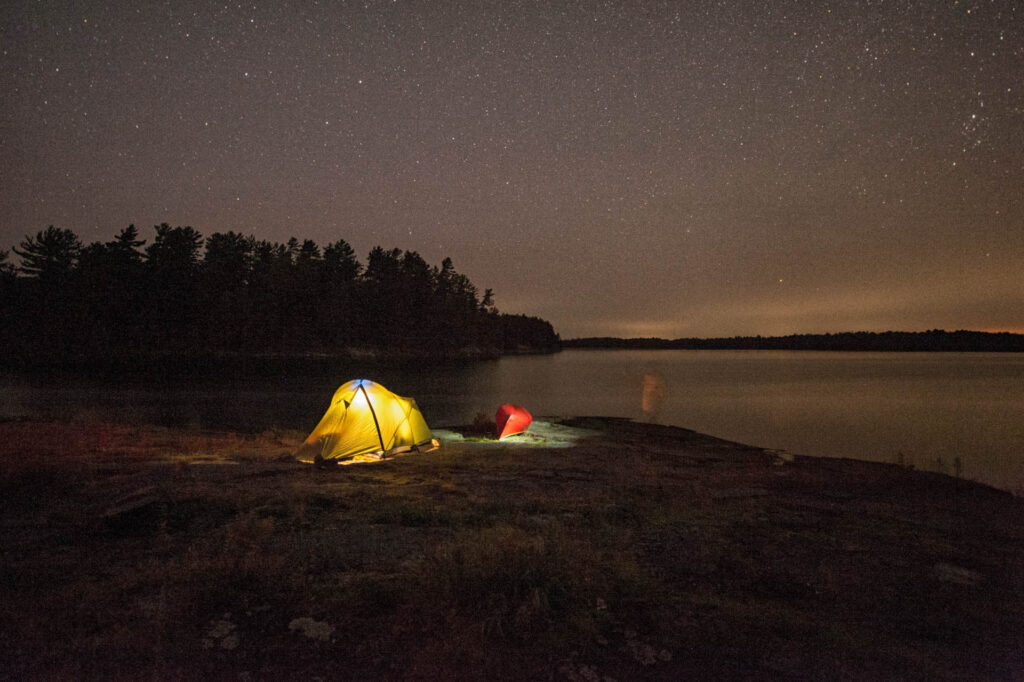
x: 197, y: 514
x: 413, y: 513
x: 249, y: 560
x: 505, y: 582
x: 369, y: 595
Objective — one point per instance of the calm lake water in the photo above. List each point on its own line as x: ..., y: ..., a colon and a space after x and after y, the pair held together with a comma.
x: 923, y: 409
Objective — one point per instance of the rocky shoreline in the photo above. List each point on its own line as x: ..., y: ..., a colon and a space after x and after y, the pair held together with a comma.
x: 587, y: 549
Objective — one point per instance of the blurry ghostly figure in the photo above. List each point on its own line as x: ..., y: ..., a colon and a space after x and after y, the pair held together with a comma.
x: 652, y: 395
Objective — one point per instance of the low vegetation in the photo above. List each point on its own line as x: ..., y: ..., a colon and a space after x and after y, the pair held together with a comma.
x: 641, y: 552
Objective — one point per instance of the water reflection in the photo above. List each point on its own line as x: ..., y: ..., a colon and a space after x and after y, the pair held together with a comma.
x: 652, y: 396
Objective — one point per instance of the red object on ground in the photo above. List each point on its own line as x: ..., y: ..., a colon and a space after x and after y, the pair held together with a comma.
x: 511, y: 419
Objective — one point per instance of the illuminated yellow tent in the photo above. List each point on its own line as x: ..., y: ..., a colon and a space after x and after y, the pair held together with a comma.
x: 366, y: 422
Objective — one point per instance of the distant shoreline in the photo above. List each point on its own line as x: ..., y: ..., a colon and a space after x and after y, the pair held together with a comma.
x: 937, y: 340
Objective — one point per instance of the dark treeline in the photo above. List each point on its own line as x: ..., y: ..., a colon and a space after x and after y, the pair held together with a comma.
x: 182, y: 295
x: 930, y: 341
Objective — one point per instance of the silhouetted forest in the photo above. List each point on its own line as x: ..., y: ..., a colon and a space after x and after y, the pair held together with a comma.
x: 182, y: 295
x: 930, y: 341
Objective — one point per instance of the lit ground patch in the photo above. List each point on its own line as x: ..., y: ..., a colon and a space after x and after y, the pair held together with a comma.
x: 541, y: 434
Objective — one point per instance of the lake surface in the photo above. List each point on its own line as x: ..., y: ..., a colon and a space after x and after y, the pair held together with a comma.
x: 931, y: 410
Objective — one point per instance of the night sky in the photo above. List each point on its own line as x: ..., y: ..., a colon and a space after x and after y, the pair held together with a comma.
x: 618, y: 168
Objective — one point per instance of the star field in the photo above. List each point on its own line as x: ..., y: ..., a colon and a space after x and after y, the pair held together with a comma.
x: 666, y: 169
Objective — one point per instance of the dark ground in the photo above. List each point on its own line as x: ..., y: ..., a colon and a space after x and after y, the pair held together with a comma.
x: 590, y: 549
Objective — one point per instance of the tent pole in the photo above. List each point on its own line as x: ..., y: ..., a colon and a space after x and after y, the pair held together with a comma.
x: 376, y: 423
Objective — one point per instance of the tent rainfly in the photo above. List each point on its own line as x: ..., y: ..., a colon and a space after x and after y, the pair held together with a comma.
x: 366, y: 422
x: 511, y: 419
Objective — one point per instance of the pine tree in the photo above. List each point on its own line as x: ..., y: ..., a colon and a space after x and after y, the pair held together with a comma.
x: 50, y: 256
